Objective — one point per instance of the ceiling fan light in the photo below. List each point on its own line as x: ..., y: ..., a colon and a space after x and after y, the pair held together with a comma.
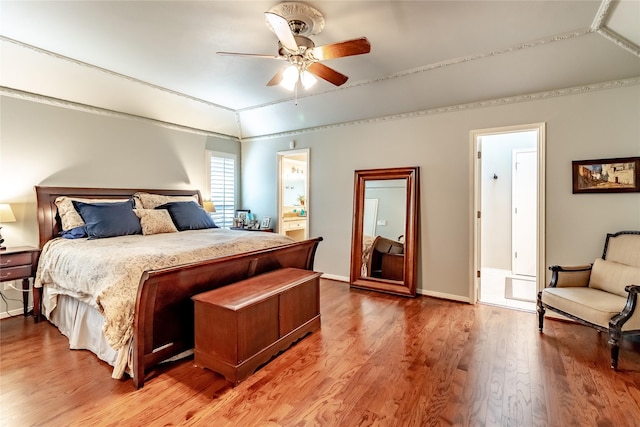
x: 308, y: 79
x: 290, y: 77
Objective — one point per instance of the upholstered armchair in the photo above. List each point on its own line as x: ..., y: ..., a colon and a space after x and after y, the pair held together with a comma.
x: 602, y: 295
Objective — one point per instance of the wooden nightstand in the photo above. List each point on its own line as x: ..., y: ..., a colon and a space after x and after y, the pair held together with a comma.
x: 21, y: 262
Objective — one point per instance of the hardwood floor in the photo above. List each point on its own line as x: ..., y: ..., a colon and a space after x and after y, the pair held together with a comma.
x: 377, y: 360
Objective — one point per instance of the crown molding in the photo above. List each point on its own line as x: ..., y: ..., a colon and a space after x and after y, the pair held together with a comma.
x: 57, y: 102
x: 633, y: 81
x: 620, y: 41
x: 576, y: 90
x: 112, y: 73
x: 601, y: 15
x: 599, y: 26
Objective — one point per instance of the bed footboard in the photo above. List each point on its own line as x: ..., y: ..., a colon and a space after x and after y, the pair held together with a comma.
x: 163, y: 323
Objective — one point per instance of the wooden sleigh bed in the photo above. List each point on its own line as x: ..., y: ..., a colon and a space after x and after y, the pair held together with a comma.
x: 163, y: 317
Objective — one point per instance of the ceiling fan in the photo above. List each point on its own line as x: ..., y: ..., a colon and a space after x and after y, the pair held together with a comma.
x: 292, y: 22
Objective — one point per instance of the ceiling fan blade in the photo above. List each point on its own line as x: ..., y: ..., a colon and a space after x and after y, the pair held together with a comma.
x: 328, y: 74
x: 281, y: 28
x: 345, y: 48
x: 255, y: 55
x: 277, y: 78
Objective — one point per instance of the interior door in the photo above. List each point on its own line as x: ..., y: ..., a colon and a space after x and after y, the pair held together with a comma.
x: 524, y: 209
x: 370, y: 216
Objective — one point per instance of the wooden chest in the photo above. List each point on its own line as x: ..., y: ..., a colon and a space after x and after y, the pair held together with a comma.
x: 241, y: 326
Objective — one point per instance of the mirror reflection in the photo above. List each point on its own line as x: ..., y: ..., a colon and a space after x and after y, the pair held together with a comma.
x: 385, y: 230
x: 384, y: 222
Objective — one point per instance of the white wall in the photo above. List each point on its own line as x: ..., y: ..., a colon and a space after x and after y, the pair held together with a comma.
x: 594, y: 125
x: 42, y: 144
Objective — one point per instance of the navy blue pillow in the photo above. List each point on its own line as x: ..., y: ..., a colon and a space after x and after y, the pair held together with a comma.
x: 188, y: 216
x: 108, y: 219
x: 74, y: 233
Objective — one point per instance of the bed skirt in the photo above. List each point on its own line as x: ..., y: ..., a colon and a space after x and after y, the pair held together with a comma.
x: 81, y: 324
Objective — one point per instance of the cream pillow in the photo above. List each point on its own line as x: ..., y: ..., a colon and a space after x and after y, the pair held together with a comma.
x: 152, y: 201
x: 155, y: 221
x: 69, y: 217
x: 612, y: 277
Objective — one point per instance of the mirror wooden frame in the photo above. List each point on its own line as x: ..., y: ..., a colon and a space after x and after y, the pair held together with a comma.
x: 407, y: 286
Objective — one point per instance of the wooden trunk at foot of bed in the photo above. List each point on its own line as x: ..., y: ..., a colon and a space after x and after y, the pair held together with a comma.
x: 163, y: 323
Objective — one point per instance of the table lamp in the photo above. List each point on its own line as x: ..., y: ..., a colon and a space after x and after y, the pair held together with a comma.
x: 208, y: 206
x: 6, y: 215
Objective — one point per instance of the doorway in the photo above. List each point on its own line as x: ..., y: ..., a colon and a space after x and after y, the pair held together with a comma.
x: 508, y: 215
x: 293, y: 193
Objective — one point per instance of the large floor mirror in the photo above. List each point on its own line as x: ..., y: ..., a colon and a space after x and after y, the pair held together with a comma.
x: 385, y: 230
x: 293, y: 193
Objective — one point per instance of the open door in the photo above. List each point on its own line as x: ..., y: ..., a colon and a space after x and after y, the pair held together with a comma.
x: 293, y: 193
x: 508, y: 215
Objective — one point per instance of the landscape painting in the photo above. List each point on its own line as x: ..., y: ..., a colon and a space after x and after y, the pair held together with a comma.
x: 606, y: 175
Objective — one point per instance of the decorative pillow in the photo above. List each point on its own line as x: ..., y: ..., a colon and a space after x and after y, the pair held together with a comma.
x: 69, y: 216
x: 152, y: 201
x: 155, y: 221
x: 612, y: 277
x: 108, y: 219
x: 188, y: 216
x: 74, y: 233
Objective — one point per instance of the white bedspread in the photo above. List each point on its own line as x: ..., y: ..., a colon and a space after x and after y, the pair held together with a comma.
x: 105, y: 273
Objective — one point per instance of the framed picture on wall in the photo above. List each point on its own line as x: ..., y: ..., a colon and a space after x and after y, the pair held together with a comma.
x: 619, y: 175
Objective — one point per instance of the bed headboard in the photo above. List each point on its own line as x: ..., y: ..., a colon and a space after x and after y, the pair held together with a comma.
x: 49, y: 221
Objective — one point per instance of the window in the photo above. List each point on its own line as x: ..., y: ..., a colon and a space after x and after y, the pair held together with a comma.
x: 222, y: 177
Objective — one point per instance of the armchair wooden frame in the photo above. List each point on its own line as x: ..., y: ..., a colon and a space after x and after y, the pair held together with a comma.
x: 563, y: 276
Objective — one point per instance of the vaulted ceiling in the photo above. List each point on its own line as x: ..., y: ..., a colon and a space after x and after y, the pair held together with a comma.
x: 157, y: 59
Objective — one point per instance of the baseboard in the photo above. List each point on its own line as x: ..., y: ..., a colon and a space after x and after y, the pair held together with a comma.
x: 335, y: 277
x: 12, y: 313
x: 442, y: 295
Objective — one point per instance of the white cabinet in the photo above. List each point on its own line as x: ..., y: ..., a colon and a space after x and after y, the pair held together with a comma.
x: 294, y: 228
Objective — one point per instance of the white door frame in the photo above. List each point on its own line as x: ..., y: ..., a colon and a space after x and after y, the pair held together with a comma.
x: 476, y: 198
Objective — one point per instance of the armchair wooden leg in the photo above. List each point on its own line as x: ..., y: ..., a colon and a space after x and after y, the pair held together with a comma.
x: 541, y: 312
x: 614, y: 342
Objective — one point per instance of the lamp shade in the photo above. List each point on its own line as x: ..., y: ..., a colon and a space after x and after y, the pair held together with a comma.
x: 6, y: 214
x: 208, y: 206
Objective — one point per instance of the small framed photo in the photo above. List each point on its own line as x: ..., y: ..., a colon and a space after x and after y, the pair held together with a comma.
x: 253, y: 225
x: 266, y: 222
x: 237, y: 223
x: 619, y: 175
x: 243, y: 215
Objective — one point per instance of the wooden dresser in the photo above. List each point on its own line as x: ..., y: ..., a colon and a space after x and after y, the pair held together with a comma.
x: 241, y: 326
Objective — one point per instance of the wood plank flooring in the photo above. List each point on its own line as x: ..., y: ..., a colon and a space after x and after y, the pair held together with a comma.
x: 377, y: 360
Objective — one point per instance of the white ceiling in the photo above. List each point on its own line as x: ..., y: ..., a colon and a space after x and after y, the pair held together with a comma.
x: 157, y: 59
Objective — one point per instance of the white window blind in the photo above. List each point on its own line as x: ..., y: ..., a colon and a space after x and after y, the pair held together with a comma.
x: 222, y: 176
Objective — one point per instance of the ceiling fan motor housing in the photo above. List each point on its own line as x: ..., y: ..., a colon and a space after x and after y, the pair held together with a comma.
x: 303, y: 43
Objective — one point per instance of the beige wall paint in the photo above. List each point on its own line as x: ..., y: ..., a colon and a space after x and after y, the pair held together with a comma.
x: 590, y: 125
x: 47, y: 145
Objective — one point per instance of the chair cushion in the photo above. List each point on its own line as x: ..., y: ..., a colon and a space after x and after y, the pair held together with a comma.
x: 611, y: 276
x: 624, y: 249
x: 589, y: 304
